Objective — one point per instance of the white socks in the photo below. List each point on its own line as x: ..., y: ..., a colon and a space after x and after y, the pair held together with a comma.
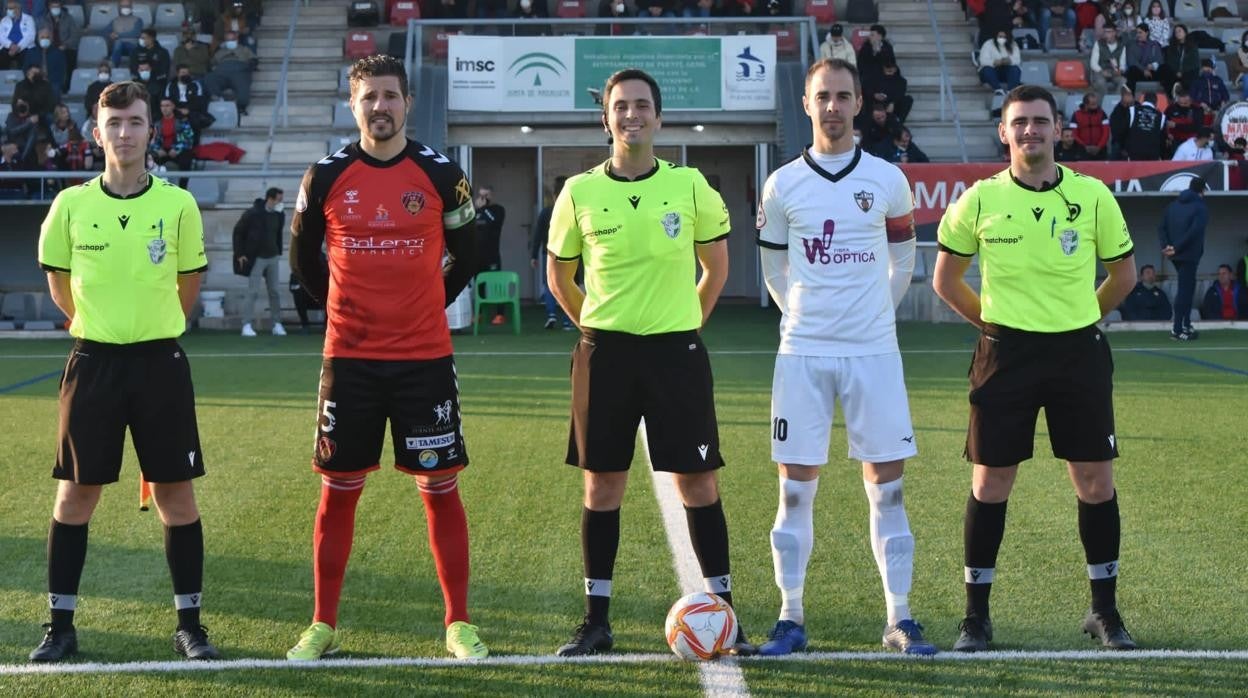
x: 792, y: 538
x: 892, y: 544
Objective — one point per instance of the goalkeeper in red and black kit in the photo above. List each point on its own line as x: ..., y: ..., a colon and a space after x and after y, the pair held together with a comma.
x: 398, y: 222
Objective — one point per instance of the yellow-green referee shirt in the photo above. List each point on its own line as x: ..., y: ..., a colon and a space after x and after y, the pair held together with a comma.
x: 635, y: 239
x: 1037, y: 248
x: 123, y: 255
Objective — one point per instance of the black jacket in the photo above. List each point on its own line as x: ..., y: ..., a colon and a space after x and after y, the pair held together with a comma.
x: 1183, y: 225
x: 1211, y: 308
x: 1144, y: 303
x: 249, y: 235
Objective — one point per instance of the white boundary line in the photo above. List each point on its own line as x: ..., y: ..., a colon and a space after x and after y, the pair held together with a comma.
x: 723, y: 352
x: 549, y: 660
x: 719, y: 678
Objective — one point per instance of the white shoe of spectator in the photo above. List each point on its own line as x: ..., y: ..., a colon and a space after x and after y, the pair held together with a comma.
x: 278, y: 330
x: 248, y: 331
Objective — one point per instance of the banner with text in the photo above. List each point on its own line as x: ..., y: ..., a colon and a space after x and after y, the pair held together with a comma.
x: 937, y: 186
x: 563, y: 73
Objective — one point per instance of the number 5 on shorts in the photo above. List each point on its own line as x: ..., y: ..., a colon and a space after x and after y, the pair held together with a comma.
x: 326, y: 406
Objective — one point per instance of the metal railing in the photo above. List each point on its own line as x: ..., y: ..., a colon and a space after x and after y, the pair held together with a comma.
x: 947, y: 98
x: 46, y: 193
x: 279, y: 106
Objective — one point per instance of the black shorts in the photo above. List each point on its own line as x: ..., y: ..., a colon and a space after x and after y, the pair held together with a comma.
x: 1015, y: 373
x: 421, y: 400
x: 146, y: 387
x: 618, y: 378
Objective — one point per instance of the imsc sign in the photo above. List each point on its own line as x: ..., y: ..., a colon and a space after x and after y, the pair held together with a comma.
x: 474, y: 66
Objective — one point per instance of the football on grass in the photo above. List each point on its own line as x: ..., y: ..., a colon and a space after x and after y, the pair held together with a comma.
x: 700, y: 626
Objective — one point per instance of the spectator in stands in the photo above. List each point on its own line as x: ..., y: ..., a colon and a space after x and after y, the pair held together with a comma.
x: 444, y: 9
x: 1090, y: 126
x: 878, y: 127
x: 11, y: 161
x: 615, y: 8
x: 836, y: 46
x: 156, y: 56
x: 190, y: 100
x: 50, y: 59
x: 493, y: 9
x: 529, y: 15
x: 194, y: 54
x: 1146, y: 132
x: 232, y: 65
x: 201, y: 15
x: 1107, y: 66
x: 37, y: 92
x: 1054, y: 8
x: 1128, y: 19
x: 999, y: 61
x: 253, y: 10
x: 1146, y: 302
x: 891, y: 88
x: 776, y: 8
x: 62, y: 123
x: 740, y: 8
x: 1120, y: 123
x: 65, y: 32
x: 102, y: 79
x: 875, y: 52
x: 123, y: 34
x: 1207, y: 89
x: 1182, y: 61
x: 1086, y: 12
x: 1106, y: 17
x: 75, y: 155
x: 143, y: 76
x: 1022, y: 17
x: 88, y: 137
x: 21, y: 127
x: 1144, y: 57
x: 1198, y: 147
x: 233, y: 21
x: 1066, y: 149
x: 996, y: 17
x: 654, y: 9
x: 1226, y: 298
x: 1182, y: 237
x: 17, y: 34
x: 1182, y: 119
x: 172, y: 139
x: 1238, y: 66
x: 44, y: 156
x: 698, y: 8
x: 1159, y: 25
x: 1235, y: 175
x: 900, y: 148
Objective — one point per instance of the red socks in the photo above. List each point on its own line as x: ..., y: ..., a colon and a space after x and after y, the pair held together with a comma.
x: 448, y: 539
x: 331, y: 544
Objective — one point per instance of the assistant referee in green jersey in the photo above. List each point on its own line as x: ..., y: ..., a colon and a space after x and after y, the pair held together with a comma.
x: 124, y: 253
x: 1039, y: 229
x: 637, y: 223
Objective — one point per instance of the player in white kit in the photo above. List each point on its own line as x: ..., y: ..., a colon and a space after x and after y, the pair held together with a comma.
x: 836, y: 232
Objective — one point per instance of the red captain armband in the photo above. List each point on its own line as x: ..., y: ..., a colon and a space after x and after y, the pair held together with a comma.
x: 901, y: 228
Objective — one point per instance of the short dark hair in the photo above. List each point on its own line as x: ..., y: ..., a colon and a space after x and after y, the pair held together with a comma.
x: 620, y: 76
x: 1147, y: 266
x: 1226, y: 267
x: 835, y: 64
x: 180, y: 66
x: 377, y: 66
x: 273, y: 192
x: 120, y: 95
x: 1204, y: 132
x: 1029, y: 93
x: 149, y: 32
x: 879, y: 29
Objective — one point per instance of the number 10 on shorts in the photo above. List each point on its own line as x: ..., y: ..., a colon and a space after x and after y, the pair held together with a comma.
x: 779, y: 429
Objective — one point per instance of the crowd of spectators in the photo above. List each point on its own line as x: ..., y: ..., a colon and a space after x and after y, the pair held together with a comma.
x: 215, y: 58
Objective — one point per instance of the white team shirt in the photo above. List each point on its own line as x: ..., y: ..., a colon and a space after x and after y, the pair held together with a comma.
x: 833, y: 226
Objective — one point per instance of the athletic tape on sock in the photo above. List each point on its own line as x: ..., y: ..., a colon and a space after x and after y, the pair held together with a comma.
x: 62, y: 602
x: 719, y: 584
x: 597, y: 587
x: 185, y: 601
x: 979, y: 575
x: 1103, y: 570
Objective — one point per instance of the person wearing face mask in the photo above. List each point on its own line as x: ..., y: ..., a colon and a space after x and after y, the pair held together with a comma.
x: 257, y: 250
x: 17, y: 35
x: 123, y: 33
x: 60, y: 126
x: 836, y: 46
x: 37, y: 92
x: 156, y: 56
x: 201, y: 15
x: 65, y: 32
x: 190, y: 99
x: 232, y: 64
x: 999, y: 59
x: 102, y: 79
x: 525, y: 14
x: 194, y: 54
x: 143, y: 76
x: 615, y: 8
x: 233, y: 20
x: 48, y: 58
x: 1127, y: 19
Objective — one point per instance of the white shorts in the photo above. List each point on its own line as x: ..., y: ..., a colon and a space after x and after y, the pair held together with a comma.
x: 872, y: 392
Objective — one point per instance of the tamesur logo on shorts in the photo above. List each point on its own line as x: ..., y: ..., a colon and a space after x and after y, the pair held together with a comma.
x: 438, y: 441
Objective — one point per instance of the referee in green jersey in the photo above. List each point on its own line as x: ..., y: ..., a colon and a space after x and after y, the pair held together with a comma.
x: 124, y: 253
x: 1039, y: 229
x: 637, y: 223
